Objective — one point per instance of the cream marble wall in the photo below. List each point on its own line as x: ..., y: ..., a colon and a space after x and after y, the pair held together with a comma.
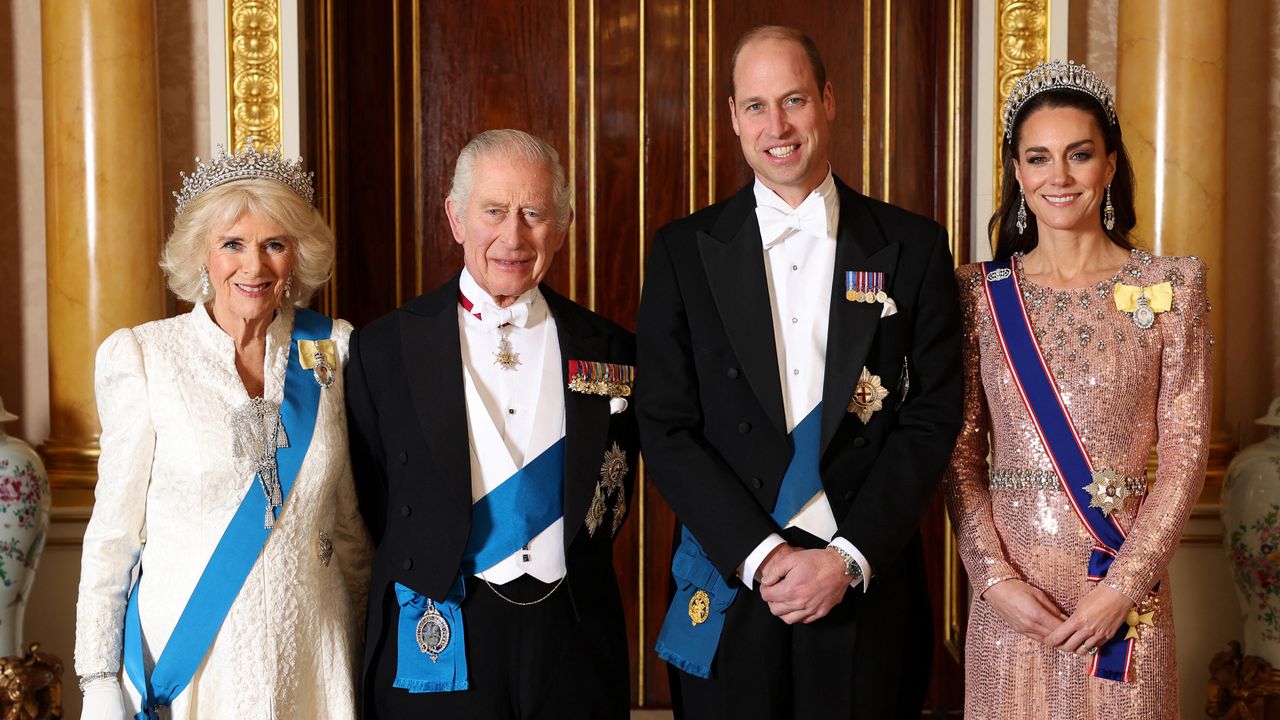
x: 183, y: 50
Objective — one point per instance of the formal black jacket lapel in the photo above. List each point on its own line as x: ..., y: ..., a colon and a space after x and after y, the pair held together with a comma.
x: 586, y: 417
x: 861, y: 246
x: 733, y: 258
x: 433, y: 363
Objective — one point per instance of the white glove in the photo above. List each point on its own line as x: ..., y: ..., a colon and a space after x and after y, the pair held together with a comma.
x: 103, y: 700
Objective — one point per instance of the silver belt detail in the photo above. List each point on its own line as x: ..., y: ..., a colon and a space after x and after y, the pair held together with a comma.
x: 1048, y: 480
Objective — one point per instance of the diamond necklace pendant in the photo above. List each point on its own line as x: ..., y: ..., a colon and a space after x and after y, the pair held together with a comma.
x: 506, y: 357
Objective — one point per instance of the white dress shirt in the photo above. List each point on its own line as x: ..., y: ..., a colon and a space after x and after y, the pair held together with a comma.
x: 513, y: 415
x: 799, y: 258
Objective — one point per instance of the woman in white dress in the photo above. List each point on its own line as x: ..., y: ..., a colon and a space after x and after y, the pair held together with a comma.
x: 224, y: 428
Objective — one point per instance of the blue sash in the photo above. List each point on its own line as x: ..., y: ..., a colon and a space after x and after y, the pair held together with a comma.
x: 691, y: 646
x: 502, y: 522
x: 237, y: 550
x: 1040, y: 394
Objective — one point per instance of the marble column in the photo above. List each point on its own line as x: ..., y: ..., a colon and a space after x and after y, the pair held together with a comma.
x: 103, y: 209
x: 1171, y: 99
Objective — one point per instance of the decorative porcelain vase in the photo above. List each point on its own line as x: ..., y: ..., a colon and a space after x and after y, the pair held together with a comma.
x: 1251, y: 517
x: 24, y: 521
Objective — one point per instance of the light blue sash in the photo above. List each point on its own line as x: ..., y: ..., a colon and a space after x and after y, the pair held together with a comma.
x: 1057, y: 432
x: 692, y: 646
x: 237, y: 550
x: 502, y: 522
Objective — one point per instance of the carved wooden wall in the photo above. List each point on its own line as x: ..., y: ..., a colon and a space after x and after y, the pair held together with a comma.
x: 633, y: 96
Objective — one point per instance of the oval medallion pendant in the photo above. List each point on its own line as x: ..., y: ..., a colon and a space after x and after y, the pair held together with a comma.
x: 1143, y: 316
x: 432, y: 632
x: 699, y: 607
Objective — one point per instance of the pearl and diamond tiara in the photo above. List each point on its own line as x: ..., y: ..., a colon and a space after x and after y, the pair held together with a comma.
x: 1057, y: 75
x: 247, y: 164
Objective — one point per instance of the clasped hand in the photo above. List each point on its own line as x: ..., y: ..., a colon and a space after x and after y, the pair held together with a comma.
x: 802, y: 586
x: 1029, y: 611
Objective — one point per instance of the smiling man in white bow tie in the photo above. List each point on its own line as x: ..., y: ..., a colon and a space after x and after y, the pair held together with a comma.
x: 798, y: 398
x: 494, y: 451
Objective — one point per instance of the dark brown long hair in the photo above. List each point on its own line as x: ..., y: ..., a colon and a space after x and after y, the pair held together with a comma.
x: 1002, y: 228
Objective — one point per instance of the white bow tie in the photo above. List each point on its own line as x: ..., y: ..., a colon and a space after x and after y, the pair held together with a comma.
x: 777, y: 224
x: 493, y: 317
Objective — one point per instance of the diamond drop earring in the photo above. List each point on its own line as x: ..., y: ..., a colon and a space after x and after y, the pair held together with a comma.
x: 1022, y: 212
x: 288, y: 286
x: 1109, y: 212
x: 204, y: 282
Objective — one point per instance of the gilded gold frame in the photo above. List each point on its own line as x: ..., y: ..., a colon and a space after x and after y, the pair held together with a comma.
x: 254, y: 75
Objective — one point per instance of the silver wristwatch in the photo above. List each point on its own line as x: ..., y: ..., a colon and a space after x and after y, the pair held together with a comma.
x: 852, y: 569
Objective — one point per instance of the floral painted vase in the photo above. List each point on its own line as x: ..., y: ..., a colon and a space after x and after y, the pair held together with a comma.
x: 1251, y: 516
x: 24, y: 521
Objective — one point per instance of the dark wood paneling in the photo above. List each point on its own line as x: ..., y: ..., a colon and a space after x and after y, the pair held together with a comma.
x: 633, y: 94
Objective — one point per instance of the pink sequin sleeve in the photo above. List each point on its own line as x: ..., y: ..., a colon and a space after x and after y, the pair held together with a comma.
x: 965, y: 483
x: 1182, y: 447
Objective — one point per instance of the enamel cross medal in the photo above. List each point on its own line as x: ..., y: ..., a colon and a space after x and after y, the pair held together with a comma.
x: 506, y: 357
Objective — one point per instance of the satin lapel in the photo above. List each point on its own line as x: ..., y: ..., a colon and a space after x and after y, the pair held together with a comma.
x: 586, y: 417
x: 433, y: 364
x: 860, y: 246
x: 733, y: 257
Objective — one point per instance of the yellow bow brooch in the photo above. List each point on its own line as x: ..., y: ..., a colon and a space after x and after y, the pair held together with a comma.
x: 1142, y: 303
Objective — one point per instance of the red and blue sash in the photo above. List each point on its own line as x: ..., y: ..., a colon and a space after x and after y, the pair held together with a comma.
x: 1052, y: 420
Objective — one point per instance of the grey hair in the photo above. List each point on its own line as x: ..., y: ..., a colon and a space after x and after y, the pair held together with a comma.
x: 189, y: 243
x: 514, y: 144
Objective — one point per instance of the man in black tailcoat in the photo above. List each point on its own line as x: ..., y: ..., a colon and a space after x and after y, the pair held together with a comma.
x: 798, y: 398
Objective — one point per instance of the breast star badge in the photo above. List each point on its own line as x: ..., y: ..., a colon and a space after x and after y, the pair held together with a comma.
x: 613, y: 471
x: 868, y: 396
x: 1107, y: 491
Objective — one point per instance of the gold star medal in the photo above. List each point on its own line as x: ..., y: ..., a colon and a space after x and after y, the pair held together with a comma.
x: 699, y: 607
x: 1107, y: 491
x: 868, y: 396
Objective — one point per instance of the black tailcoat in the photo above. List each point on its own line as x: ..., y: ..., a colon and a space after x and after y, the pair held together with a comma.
x: 714, y: 433
x: 409, y: 450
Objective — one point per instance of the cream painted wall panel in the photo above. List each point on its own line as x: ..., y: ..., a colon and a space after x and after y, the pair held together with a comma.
x: 24, y: 366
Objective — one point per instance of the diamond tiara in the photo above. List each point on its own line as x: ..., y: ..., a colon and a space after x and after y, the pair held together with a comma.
x: 247, y: 164
x: 1057, y: 75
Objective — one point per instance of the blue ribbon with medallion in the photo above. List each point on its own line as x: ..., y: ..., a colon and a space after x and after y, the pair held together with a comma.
x: 237, y: 550
x: 431, y: 653
x: 691, y: 630
x: 1057, y: 432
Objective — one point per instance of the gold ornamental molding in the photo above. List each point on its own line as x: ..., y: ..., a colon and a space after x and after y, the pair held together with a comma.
x: 254, y: 72
x: 1022, y: 41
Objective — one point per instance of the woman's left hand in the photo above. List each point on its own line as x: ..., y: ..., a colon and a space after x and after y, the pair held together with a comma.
x: 1093, y: 623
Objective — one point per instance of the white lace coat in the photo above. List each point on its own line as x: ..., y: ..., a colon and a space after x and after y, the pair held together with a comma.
x: 167, y: 487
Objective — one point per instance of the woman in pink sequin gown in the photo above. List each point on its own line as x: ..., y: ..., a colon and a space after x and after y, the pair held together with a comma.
x: 1035, y: 615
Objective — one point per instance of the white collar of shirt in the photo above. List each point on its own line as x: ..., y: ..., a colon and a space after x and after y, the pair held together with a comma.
x: 817, y: 215
x: 528, y: 310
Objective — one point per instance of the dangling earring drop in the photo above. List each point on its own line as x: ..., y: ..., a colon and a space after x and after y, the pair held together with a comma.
x: 288, y: 285
x: 1022, y: 212
x: 204, y: 282
x: 1109, y: 212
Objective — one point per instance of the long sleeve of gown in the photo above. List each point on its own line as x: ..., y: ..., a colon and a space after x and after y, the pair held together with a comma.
x: 1182, y: 446
x: 965, y: 483
x: 113, y: 538
x: 352, y: 547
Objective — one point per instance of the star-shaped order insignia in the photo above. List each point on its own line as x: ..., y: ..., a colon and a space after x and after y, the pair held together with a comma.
x: 868, y: 396
x: 1107, y: 491
x: 1135, y: 619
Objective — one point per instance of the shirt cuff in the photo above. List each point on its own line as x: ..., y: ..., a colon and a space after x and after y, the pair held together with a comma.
x: 848, y: 547
x: 749, y: 566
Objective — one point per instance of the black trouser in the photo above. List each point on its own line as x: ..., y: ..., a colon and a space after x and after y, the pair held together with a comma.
x: 847, y: 665
x: 525, y: 662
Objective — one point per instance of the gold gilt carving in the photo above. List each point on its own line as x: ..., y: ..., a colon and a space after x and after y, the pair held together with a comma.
x: 253, y: 87
x: 1022, y: 41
